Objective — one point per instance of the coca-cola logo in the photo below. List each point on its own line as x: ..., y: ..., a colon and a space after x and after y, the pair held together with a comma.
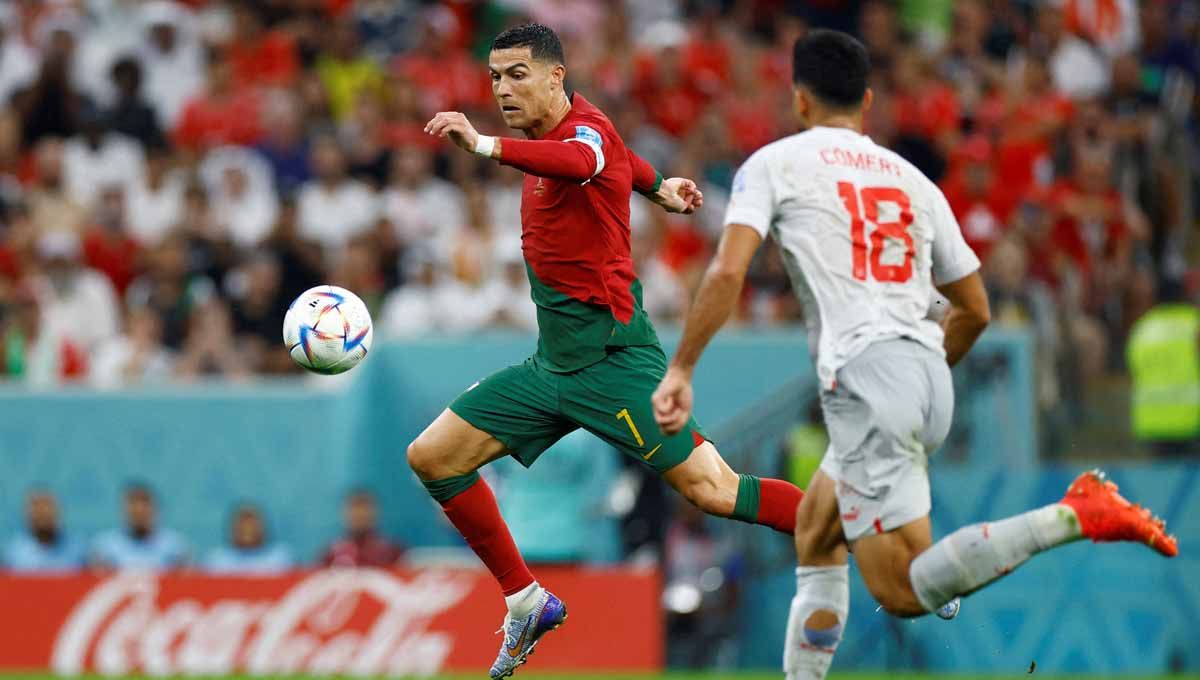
x: 342, y: 621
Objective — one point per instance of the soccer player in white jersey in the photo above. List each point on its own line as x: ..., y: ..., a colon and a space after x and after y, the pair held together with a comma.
x: 866, y: 239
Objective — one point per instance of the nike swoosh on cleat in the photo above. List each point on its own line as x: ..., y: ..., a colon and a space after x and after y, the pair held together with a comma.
x: 652, y: 452
x: 515, y: 650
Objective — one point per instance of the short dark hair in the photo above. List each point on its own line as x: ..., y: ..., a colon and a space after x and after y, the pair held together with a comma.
x: 542, y: 41
x: 139, y: 490
x: 834, y: 65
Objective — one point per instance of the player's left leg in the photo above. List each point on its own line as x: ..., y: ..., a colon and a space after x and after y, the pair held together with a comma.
x: 910, y: 577
x: 707, y: 481
x: 611, y: 399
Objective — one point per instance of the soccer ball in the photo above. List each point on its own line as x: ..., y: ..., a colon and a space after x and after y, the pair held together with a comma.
x: 327, y: 330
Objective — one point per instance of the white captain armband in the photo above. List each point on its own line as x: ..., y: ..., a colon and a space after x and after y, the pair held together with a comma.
x: 588, y: 136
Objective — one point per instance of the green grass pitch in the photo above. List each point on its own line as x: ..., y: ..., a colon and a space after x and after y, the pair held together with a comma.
x: 531, y: 675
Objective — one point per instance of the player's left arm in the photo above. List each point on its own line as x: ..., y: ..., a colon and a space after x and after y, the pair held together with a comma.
x: 969, y: 315
x: 956, y: 273
x: 675, y: 195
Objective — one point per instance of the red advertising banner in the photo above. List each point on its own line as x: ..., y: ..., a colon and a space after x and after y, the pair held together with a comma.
x: 345, y: 622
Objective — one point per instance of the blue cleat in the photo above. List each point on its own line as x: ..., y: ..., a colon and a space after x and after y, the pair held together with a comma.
x: 950, y: 609
x: 521, y: 635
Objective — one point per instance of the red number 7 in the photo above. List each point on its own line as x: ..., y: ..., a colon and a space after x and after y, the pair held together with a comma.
x: 871, y: 197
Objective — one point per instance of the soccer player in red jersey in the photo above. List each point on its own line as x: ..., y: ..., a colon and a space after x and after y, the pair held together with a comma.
x: 598, y: 357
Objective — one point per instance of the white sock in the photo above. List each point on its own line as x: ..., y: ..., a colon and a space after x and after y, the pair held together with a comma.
x: 981, y: 553
x: 807, y: 653
x: 521, y: 603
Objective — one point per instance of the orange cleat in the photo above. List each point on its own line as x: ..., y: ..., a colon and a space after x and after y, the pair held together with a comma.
x: 1105, y: 516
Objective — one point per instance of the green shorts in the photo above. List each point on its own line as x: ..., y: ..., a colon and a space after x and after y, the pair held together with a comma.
x: 528, y: 408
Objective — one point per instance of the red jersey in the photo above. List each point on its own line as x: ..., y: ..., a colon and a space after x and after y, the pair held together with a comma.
x: 576, y: 239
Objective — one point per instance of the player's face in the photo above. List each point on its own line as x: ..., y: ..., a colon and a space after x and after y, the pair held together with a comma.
x: 525, y: 88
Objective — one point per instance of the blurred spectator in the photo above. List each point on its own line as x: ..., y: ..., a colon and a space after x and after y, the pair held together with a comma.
x: 78, y: 306
x: 423, y: 207
x: 362, y: 545
x: 206, y: 348
x: 299, y: 260
x: 410, y: 310
x: 1164, y: 360
x: 18, y: 63
x: 981, y: 203
x: 248, y: 551
x: 284, y: 144
x: 142, y: 543
x: 154, y: 202
x: 225, y: 112
x: 49, y: 105
x: 131, y: 113
x: 345, y: 74
x: 107, y: 245
x: 512, y: 289
x: 1078, y: 68
x: 333, y: 207
x: 43, y: 547
x: 239, y: 187
x: 258, y: 310
x: 138, y: 357
x: 170, y: 289
x: 258, y: 55
x: 171, y: 57
x: 51, y: 207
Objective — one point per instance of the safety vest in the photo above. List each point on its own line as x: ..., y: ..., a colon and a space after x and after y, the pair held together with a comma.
x: 1164, y: 359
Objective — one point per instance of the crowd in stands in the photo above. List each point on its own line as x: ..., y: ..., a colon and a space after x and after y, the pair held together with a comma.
x: 173, y: 173
x: 46, y: 546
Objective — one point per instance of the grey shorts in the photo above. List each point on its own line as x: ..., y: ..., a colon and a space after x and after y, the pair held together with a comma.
x: 889, y: 410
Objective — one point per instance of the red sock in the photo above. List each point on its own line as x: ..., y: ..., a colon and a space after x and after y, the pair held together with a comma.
x: 477, y: 517
x: 777, y: 504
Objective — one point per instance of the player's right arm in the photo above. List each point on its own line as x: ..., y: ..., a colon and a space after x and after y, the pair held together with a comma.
x: 956, y: 274
x: 747, y: 220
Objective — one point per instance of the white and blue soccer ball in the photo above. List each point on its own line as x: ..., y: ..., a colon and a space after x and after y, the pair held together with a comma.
x: 327, y: 330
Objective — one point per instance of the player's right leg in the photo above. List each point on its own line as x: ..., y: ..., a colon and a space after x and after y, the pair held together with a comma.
x: 819, y: 609
x: 512, y: 411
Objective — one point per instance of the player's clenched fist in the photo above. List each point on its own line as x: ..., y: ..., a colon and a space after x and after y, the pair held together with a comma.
x: 678, y: 195
x: 672, y: 402
x: 454, y: 125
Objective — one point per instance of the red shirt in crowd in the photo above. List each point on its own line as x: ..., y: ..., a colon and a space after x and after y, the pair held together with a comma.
x: 927, y: 113
x: 1087, y: 244
x: 212, y: 121
x: 446, y: 82
x: 371, y: 550
x: 114, y: 254
x: 983, y: 215
x: 269, y: 61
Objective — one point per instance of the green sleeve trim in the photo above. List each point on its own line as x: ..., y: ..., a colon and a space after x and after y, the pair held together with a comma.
x: 745, y: 508
x: 443, y: 490
x: 658, y: 180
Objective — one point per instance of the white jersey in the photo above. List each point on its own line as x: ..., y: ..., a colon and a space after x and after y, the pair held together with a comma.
x: 864, y: 236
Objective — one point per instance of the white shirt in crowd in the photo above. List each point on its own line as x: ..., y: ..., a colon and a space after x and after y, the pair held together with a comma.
x: 429, y: 214
x: 117, y: 161
x: 171, y: 79
x: 153, y: 211
x: 333, y: 215
x: 245, y: 206
x: 18, y: 65
x: 865, y: 237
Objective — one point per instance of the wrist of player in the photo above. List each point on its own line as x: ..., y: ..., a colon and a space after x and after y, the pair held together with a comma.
x: 487, y: 146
